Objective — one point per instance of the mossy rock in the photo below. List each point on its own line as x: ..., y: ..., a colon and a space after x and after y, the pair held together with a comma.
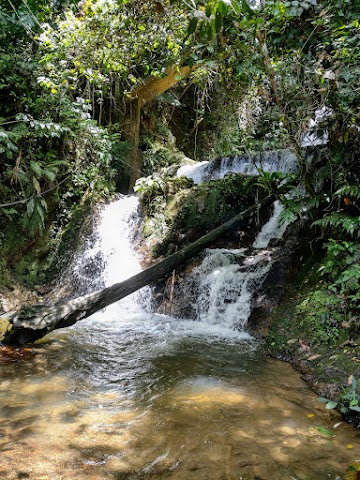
x: 191, y: 212
x: 4, y: 325
x: 310, y: 329
x: 36, y: 261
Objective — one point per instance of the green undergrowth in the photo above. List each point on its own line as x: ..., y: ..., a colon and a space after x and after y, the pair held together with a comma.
x: 317, y: 329
x: 178, y: 212
x: 35, y: 262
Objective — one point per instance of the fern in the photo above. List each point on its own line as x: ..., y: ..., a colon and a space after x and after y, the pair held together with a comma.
x: 352, y: 191
x: 340, y: 222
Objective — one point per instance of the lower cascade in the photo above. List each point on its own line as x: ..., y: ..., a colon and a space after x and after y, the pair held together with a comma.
x: 225, y: 281
x: 127, y: 394
x: 223, y: 284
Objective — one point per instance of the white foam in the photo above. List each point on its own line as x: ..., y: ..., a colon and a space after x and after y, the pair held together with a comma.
x: 272, y: 229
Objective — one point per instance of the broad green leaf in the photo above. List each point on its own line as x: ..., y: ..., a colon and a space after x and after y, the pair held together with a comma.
x: 235, y: 6
x: 218, y: 22
x: 247, y: 9
x: 40, y: 211
x: 325, y: 431
x: 36, y: 168
x: 43, y: 203
x: 30, y: 206
x: 192, y: 26
x: 222, y: 7
x: 330, y: 405
x: 37, y: 186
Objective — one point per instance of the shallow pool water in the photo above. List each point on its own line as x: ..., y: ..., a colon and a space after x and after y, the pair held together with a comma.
x: 150, y: 397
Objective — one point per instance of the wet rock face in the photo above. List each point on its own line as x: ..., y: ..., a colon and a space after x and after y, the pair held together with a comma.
x: 268, y: 296
x: 180, y: 218
x: 176, y: 297
x: 274, y: 286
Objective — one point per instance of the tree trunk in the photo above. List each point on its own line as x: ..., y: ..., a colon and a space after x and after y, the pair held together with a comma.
x: 142, y: 95
x: 132, y: 135
x: 31, y: 323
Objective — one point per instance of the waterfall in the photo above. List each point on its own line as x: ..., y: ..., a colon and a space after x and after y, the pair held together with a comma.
x: 109, y: 256
x: 274, y: 161
x: 272, y: 228
x: 222, y: 287
x: 226, y: 281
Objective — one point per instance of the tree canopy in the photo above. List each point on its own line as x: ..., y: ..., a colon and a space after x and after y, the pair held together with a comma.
x: 72, y: 74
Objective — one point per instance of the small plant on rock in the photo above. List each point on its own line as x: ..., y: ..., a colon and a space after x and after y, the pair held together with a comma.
x: 349, y: 400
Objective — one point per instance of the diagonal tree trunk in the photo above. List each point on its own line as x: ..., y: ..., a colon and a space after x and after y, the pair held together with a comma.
x: 31, y: 323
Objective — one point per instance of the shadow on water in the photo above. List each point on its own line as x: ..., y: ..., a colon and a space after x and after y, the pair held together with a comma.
x: 135, y: 405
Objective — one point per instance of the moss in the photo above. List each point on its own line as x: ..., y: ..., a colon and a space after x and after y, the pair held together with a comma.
x: 4, y: 325
x: 189, y: 213
x: 310, y: 328
x: 35, y: 262
x: 160, y: 155
x: 66, y: 243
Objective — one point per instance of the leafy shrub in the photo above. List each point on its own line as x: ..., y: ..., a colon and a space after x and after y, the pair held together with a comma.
x: 349, y: 399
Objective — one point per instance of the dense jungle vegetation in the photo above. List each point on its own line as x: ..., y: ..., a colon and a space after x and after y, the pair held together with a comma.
x: 98, y: 93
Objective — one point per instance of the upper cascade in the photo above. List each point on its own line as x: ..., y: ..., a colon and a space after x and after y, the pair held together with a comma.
x: 273, y: 161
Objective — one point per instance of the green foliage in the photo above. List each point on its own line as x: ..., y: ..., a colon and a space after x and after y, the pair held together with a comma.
x: 176, y: 208
x: 107, y: 50
x: 149, y: 187
x: 275, y: 181
x: 342, y: 271
x: 349, y: 399
x: 340, y: 222
x: 279, y: 52
x: 322, y: 315
x: 157, y: 156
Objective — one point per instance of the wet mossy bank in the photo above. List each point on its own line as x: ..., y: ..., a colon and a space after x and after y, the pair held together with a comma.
x: 176, y: 212
x: 31, y: 267
x: 310, y: 325
x: 313, y: 329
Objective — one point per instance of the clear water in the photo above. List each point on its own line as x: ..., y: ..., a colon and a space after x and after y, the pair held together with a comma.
x: 154, y: 398
x: 131, y: 395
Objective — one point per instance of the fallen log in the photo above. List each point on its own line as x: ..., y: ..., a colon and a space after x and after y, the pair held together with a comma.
x: 32, y: 323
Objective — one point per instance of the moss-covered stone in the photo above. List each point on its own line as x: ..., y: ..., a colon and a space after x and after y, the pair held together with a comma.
x: 177, y: 214
x: 310, y: 328
x: 36, y: 261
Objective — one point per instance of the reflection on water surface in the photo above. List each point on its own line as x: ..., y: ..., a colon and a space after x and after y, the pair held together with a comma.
x: 162, y: 399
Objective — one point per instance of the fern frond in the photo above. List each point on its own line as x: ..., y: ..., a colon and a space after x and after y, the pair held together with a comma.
x: 352, y: 191
x: 341, y: 222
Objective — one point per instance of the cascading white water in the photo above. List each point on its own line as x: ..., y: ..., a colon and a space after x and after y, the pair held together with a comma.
x: 226, y: 287
x: 272, y: 228
x: 225, y: 284
x: 110, y: 258
x: 115, y: 231
x: 274, y: 161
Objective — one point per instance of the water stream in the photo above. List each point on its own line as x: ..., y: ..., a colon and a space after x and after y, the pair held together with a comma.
x: 131, y: 395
